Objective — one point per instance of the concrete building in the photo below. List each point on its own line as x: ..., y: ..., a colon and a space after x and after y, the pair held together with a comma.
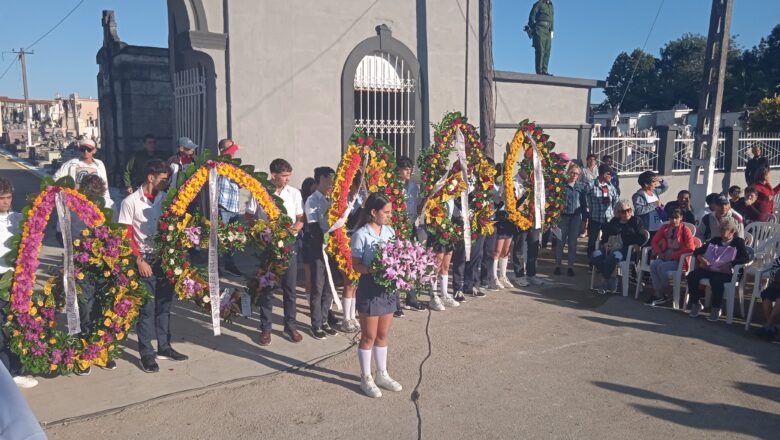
x: 294, y: 79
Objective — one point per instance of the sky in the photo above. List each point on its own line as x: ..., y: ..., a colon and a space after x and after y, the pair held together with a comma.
x: 589, y: 34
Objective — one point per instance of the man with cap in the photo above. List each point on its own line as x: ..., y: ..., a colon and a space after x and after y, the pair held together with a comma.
x: 540, y: 29
x: 647, y: 199
x: 601, y: 199
x: 84, y: 165
x: 183, y: 157
x: 710, y: 223
x: 229, y: 210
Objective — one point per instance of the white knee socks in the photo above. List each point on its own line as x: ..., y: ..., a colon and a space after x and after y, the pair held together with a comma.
x: 349, y: 308
x: 444, y: 281
x: 502, y: 263
x: 495, y: 269
x: 364, y: 358
x: 380, y: 357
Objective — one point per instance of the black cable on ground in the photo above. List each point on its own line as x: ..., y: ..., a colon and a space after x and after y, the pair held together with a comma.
x: 416, y: 393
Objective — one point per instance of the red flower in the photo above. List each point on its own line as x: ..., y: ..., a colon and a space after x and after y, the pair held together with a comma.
x: 445, y: 236
x: 388, y: 191
x: 369, y: 141
x: 169, y: 273
x: 164, y: 226
x: 185, y: 265
x: 360, y: 140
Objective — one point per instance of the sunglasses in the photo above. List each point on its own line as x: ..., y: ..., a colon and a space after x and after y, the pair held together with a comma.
x: 86, y: 149
x: 625, y: 211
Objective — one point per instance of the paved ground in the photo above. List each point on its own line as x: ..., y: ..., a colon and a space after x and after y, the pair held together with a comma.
x: 551, y: 362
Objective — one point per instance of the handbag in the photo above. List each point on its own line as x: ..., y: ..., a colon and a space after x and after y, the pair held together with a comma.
x: 719, y: 256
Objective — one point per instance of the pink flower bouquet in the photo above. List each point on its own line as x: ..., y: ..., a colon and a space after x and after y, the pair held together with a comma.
x: 404, y: 266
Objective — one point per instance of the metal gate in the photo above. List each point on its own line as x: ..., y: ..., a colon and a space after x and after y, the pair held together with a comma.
x: 384, y: 100
x: 189, y: 92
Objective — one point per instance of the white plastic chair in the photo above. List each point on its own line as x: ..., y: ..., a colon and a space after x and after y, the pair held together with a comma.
x: 691, y: 227
x: 623, y: 269
x: 761, y: 267
x: 771, y: 218
x: 776, y: 199
x: 730, y: 289
x: 675, y: 277
x: 762, y: 233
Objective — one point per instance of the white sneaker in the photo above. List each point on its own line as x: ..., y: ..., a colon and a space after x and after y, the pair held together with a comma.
x: 435, y: 304
x: 448, y: 301
x: 500, y: 284
x: 507, y: 284
x: 522, y: 282
x: 369, y: 387
x: 356, y: 323
x: 25, y: 381
x: 383, y: 380
x: 347, y: 326
x: 534, y: 280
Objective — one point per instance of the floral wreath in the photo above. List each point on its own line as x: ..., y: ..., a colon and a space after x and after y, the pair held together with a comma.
x: 379, y: 177
x: 180, y: 231
x: 101, y: 253
x: 553, y: 169
x: 434, y: 163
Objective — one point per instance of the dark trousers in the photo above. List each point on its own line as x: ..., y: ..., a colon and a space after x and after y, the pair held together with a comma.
x: 488, y: 256
x: 606, y: 263
x: 320, y: 297
x: 289, y: 283
x: 594, y: 230
x: 531, y: 237
x: 717, y: 280
x: 466, y: 274
x: 89, y: 308
x: 154, y: 318
x: 9, y: 359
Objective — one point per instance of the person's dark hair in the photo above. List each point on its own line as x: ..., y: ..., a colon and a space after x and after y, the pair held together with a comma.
x: 684, y: 191
x: 149, y: 136
x: 155, y: 167
x: 734, y: 190
x: 646, y: 178
x: 306, y: 188
x: 404, y: 162
x: 750, y: 190
x: 605, y: 157
x: 280, y: 166
x: 321, y: 172
x: 604, y: 168
x: 92, y: 186
x: 375, y: 202
x: 592, y: 156
x: 762, y: 174
x: 711, y: 198
x: 356, y: 180
x: 6, y: 187
x: 676, y: 213
x: 223, y: 143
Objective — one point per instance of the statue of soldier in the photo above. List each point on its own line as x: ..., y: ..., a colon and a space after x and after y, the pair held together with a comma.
x: 540, y: 29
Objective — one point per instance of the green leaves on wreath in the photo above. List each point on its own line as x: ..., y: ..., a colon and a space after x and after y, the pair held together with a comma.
x: 5, y: 287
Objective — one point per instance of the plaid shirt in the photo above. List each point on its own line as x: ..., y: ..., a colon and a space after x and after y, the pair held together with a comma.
x: 228, y: 194
x: 575, y: 198
x: 601, y: 201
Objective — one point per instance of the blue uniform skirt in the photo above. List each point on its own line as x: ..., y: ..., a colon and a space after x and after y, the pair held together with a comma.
x: 372, y: 299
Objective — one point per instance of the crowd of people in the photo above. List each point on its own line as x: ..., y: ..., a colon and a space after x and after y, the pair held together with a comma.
x: 593, y: 207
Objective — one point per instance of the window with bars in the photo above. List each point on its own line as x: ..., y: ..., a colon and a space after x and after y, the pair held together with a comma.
x: 384, y: 100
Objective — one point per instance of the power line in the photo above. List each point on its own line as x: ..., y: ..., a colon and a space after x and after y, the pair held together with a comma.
x: 9, y: 66
x: 28, y: 47
x: 631, y: 79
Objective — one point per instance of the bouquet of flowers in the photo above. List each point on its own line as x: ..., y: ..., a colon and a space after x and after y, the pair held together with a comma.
x: 404, y: 266
x: 232, y: 237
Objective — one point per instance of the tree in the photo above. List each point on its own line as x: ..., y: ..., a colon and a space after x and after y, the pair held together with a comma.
x: 680, y: 71
x: 766, y: 117
x: 639, y: 91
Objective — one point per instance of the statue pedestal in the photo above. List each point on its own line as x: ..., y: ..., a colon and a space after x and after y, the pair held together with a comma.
x: 558, y: 104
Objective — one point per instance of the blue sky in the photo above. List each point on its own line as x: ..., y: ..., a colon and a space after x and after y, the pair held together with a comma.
x: 589, y: 35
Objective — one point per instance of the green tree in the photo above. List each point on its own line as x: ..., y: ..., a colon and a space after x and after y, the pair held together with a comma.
x: 640, y: 91
x: 766, y: 117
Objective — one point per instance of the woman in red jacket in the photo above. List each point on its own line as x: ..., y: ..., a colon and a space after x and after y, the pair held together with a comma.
x: 671, y: 241
x: 755, y: 206
x: 764, y: 187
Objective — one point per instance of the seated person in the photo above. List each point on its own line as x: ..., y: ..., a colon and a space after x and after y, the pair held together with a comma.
x: 714, y: 261
x: 734, y: 193
x: 754, y: 207
x: 617, y: 235
x: 668, y: 245
x: 683, y: 203
x: 770, y: 301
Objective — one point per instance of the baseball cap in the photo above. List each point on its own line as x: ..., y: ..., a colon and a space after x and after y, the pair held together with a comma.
x: 721, y: 200
x: 187, y: 143
x: 86, y: 143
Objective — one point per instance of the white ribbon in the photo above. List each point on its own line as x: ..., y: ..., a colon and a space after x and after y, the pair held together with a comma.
x: 68, y: 281
x: 539, y: 196
x: 213, y: 266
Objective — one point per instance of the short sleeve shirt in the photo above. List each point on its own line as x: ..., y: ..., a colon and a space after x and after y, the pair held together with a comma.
x: 364, y: 240
x: 291, y: 197
x: 9, y: 226
x: 143, y: 214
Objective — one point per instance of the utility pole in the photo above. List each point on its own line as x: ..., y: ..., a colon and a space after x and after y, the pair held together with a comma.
x: 487, y: 116
x: 705, y: 147
x: 27, y: 109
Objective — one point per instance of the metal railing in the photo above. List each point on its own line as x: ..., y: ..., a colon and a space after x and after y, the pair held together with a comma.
x: 683, y: 152
x: 769, y: 143
x: 630, y: 155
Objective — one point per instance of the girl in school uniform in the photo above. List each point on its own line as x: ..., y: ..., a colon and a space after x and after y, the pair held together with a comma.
x: 375, y: 305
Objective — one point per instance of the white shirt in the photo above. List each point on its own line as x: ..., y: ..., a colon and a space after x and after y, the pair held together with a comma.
x: 317, y: 206
x: 9, y: 226
x: 143, y: 215
x: 291, y: 197
x: 77, y: 169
